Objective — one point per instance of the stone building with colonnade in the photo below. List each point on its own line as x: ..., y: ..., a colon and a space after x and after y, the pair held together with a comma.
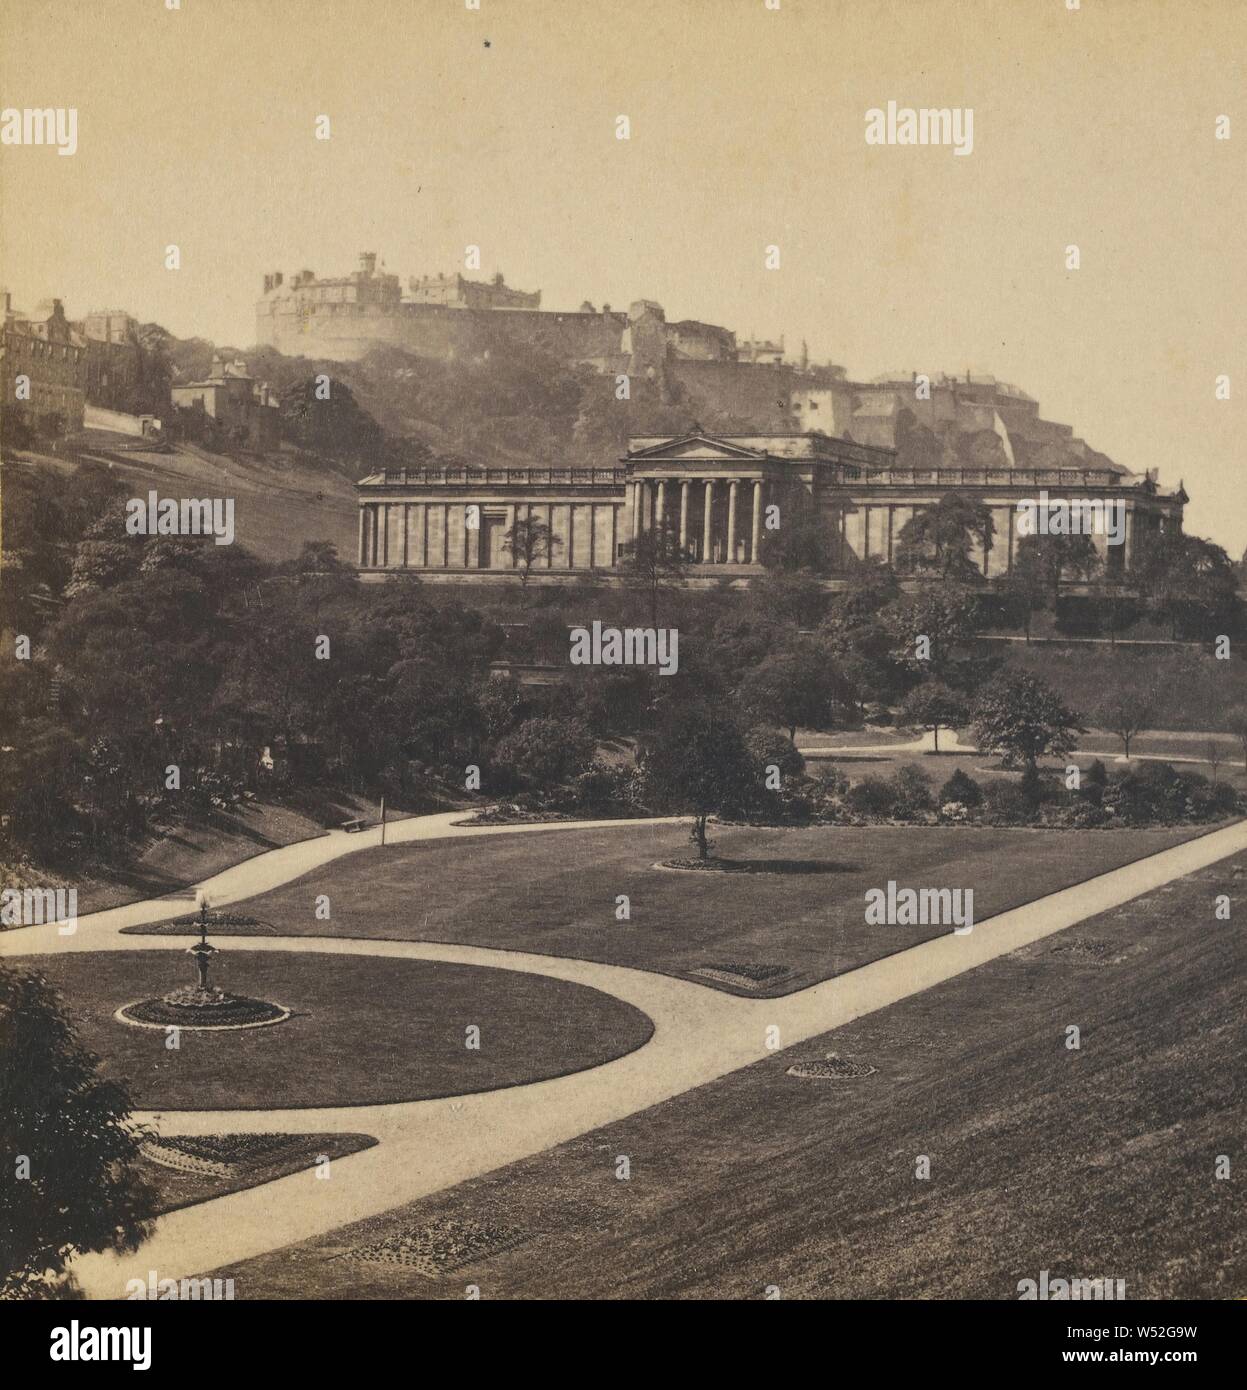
x: 713, y: 491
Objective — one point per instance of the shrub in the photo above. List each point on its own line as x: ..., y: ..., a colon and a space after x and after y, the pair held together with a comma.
x: 1077, y: 814
x: 913, y: 790
x: 1092, y: 783
x: 769, y: 746
x: 601, y: 788
x: 1005, y: 804
x: 545, y: 751
x: 832, y: 780
x: 872, y: 796
x: 962, y: 788
x: 1207, y: 800
x: 1151, y: 792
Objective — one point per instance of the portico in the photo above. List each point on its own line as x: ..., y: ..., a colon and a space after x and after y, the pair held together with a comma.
x: 712, y: 492
x: 716, y: 520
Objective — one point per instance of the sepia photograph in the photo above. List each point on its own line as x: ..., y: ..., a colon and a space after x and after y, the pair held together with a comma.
x: 623, y: 668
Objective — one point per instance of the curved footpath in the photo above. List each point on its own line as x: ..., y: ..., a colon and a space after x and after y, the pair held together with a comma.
x: 700, y: 1034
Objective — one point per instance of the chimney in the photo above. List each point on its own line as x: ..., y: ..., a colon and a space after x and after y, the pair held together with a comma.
x: 368, y: 262
x: 277, y: 279
x: 268, y: 283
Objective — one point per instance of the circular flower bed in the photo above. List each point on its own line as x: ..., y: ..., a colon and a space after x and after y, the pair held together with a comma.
x: 711, y: 865
x: 833, y: 1067
x: 212, y: 1009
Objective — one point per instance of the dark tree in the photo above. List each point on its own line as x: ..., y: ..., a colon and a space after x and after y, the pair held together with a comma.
x: 1190, y: 583
x: 1126, y: 714
x: 932, y: 705
x: 938, y: 540
x: 1022, y: 718
x: 1025, y: 587
x: 944, y: 616
x: 802, y: 542
x: 798, y: 685
x: 79, y: 1189
x: 654, y: 564
x: 1053, y: 559
x: 696, y: 763
x: 528, y: 540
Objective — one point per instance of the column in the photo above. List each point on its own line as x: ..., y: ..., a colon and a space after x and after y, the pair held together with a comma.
x: 362, y: 516
x: 385, y: 533
x: 684, y: 515
x: 406, y: 520
x: 660, y: 506
x: 757, y: 521
x: 614, y: 537
x: 636, y: 509
x: 731, y: 521
x: 706, y: 554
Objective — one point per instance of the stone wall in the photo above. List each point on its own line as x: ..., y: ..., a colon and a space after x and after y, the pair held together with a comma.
x: 344, y: 334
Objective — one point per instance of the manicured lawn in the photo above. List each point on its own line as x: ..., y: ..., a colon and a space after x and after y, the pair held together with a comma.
x: 1182, y: 748
x: 364, y: 1031
x: 861, y: 738
x: 1095, y: 1163
x: 554, y: 892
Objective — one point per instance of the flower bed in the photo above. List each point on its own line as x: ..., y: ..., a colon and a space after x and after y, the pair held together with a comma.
x: 441, y: 1246
x: 832, y: 1067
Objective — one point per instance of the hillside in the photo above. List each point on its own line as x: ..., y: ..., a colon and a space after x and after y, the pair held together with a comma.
x: 280, y: 500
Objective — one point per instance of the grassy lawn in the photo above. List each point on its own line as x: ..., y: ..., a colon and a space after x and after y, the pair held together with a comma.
x: 554, y: 892
x: 364, y: 1032
x: 1182, y: 748
x: 279, y: 1155
x: 862, y: 738
x: 1090, y: 1163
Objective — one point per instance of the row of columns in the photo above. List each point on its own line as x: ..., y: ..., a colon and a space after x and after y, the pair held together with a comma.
x: 872, y: 530
x: 645, y: 494
x: 436, y: 534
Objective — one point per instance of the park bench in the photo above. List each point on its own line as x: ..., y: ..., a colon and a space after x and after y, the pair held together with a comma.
x: 350, y: 826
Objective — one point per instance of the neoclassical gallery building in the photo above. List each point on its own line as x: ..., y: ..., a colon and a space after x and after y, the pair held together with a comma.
x: 714, y: 490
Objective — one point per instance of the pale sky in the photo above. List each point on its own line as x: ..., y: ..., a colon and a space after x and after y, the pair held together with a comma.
x: 497, y: 127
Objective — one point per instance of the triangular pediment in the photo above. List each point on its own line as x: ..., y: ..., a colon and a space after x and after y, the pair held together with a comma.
x: 695, y: 446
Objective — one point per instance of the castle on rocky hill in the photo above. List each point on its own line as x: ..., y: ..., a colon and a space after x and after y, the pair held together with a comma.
x: 450, y: 316
x: 953, y: 421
